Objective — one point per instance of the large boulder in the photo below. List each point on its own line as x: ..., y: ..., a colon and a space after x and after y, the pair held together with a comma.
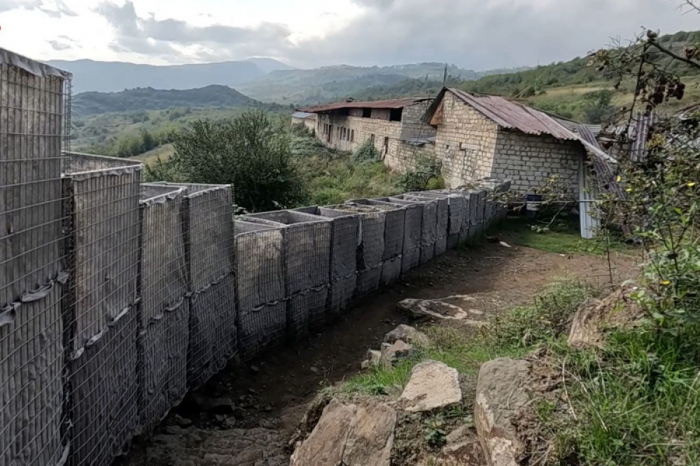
x: 596, y: 317
x: 350, y: 435
x: 433, y: 385
x: 408, y: 334
x: 500, y: 395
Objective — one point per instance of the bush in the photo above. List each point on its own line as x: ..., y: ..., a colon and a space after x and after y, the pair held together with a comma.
x: 249, y: 152
x: 367, y: 152
x: 424, y: 175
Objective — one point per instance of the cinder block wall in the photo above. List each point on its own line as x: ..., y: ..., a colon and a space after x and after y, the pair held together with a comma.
x: 465, y: 142
x: 530, y: 160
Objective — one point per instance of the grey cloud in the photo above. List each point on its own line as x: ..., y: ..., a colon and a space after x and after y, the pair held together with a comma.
x: 151, y: 36
x: 55, y: 9
x: 7, y: 5
x: 56, y: 45
x: 490, y: 34
x: 380, y: 4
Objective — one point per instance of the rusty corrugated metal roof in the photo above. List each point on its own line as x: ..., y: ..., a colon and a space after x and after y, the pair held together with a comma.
x: 513, y: 115
x: 389, y: 104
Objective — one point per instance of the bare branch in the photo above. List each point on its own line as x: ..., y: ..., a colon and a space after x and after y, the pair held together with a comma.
x: 675, y: 55
x: 690, y: 6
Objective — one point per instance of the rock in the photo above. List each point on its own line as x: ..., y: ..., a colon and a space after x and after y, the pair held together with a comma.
x: 392, y: 353
x: 432, y: 385
x: 173, y: 430
x: 366, y: 364
x: 326, y: 443
x: 374, y: 357
x: 500, y: 394
x: 219, y: 405
x: 408, y: 334
x: 595, y: 317
x: 457, y: 435
x: 350, y: 435
x: 183, y: 421
x: 466, y: 453
x: 238, y: 413
x: 450, y: 308
x: 372, y: 437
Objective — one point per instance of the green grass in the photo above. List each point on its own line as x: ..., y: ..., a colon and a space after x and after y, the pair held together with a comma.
x: 637, y: 401
x: 163, y: 152
x: 332, y: 177
x: 563, y: 237
x: 513, y: 334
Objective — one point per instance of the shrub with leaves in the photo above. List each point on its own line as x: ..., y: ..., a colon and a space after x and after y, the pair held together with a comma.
x: 367, y: 152
x: 424, y: 175
x: 251, y: 152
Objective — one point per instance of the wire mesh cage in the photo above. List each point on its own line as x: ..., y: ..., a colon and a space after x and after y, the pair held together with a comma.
x: 307, y: 240
x: 260, y: 287
x: 102, y: 200
x: 457, y: 205
x: 34, y: 127
x: 412, y: 231
x: 395, y: 217
x: 209, y: 250
x: 429, y: 226
x: 101, y: 197
x: 370, y: 249
x: 164, y: 326
x: 344, y: 242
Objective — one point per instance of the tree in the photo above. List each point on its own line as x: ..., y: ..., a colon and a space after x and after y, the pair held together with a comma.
x: 250, y: 152
x: 661, y: 205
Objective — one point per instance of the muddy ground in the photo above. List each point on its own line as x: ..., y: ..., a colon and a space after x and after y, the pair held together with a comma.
x: 246, y: 414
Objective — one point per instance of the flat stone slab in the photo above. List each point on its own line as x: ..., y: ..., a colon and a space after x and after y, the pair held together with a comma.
x: 500, y: 395
x: 350, y: 435
x: 432, y: 385
x: 450, y: 308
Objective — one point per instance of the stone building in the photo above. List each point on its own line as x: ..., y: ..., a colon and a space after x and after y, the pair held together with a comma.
x: 396, y: 128
x: 489, y: 136
x: 304, y: 118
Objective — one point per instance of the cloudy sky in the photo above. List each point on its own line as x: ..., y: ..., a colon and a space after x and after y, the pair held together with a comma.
x: 476, y: 34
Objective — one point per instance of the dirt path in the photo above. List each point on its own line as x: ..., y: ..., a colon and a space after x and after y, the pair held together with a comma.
x: 270, y: 393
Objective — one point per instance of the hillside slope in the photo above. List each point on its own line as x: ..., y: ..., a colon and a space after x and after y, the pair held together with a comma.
x: 99, y: 76
x: 133, y: 100
x: 336, y: 82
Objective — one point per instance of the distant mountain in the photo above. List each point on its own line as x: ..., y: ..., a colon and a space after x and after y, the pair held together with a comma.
x: 268, y: 65
x: 132, y: 100
x: 90, y: 75
x: 336, y: 82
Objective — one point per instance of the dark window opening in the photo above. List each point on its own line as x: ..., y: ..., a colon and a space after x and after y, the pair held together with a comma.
x: 352, y: 135
x: 366, y: 113
x: 386, y: 145
x: 395, y: 114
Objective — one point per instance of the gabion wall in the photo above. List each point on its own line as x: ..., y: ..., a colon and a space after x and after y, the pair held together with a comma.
x: 165, y: 287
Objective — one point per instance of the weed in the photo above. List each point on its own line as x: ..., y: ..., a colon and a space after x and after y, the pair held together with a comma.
x: 434, y: 434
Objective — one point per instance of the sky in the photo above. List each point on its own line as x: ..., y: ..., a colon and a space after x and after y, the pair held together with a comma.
x: 473, y: 34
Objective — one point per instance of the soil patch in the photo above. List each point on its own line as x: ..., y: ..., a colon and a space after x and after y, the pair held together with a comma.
x: 268, y: 396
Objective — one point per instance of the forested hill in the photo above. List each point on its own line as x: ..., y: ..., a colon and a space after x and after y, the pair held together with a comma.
x: 571, y: 89
x: 90, y: 103
x: 573, y: 72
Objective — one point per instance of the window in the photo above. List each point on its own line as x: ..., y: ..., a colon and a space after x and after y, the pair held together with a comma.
x: 395, y: 114
x: 366, y: 113
x: 386, y: 145
x: 352, y: 135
